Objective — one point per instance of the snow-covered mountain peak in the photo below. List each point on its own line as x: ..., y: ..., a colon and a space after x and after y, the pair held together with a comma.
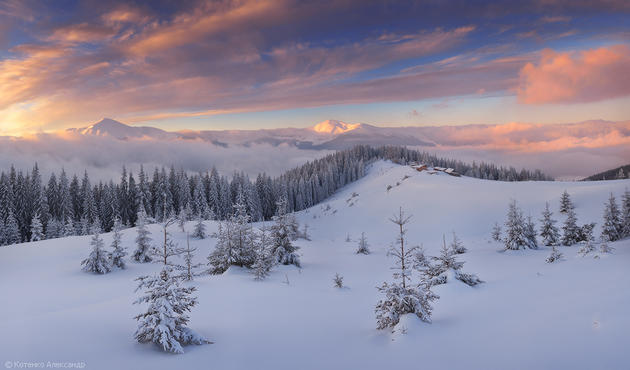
x: 119, y: 130
x: 334, y: 127
x: 107, y: 126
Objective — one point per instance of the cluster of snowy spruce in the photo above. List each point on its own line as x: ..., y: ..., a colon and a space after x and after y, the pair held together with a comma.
x: 415, y: 274
x: 65, y: 206
x: 238, y: 244
x: 520, y: 232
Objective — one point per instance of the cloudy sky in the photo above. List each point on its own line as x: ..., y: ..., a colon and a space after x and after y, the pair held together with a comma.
x: 278, y: 63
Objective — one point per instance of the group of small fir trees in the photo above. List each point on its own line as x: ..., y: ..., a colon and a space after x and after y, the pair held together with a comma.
x: 520, y: 233
x: 101, y: 261
x: 238, y: 244
x: 415, y: 274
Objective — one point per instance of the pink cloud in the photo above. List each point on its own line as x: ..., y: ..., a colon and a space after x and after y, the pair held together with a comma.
x: 576, y: 77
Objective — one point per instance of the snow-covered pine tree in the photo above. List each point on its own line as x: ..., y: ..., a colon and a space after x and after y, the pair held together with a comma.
x: 530, y: 233
x: 282, y: 248
x: 200, y: 229
x: 11, y: 229
x: 457, y: 246
x: 570, y: 230
x: 37, y: 229
x: 143, y: 250
x: 244, y: 236
x: 515, y: 228
x: 338, y: 281
x: 98, y: 261
x: 401, y: 295
x: 264, y: 260
x: 555, y: 255
x: 612, y: 227
x: 189, y: 268
x: 496, y: 232
x: 118, y: 252
x: 164, y: 322
x: 548, y: 230
x: 565, y: 203
x: 625, y: 214
x: 363, y: 247
x: 224, y: 254
x: 348, y: 239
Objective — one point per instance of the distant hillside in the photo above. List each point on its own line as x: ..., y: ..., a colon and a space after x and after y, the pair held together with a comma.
x: 610, y: 174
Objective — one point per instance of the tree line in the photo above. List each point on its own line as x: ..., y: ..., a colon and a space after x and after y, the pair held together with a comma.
x: 72, y: 205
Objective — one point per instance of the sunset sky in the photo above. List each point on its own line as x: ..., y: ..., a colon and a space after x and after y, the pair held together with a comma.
x: 261, y: 64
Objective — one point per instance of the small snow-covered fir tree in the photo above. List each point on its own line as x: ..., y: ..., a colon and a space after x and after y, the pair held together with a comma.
x: 338, y: 281
x: 282, y: 247
x: 37, y: 229
x: 496, y: 232
x: 264, y: 260
x: 604, y: 247
x: 98, y: 261
x: 164, y: 322
x: 225, y: 253
x: 612, y: 227
x: 548, y: 230
x: 169, y: 248
x: 363, y: 247
x: 143, y: 240
x: 570, y: 230
x: 515, y: 228
x: 348, y: 239
x: 530, y: 233
x: 586, y: 248
x: 555, y: 255
x: 200, y: 229
x: 457, y: 246
x: 243, y: 233
x: 565, y: 203
x: 402, y: 296
x: 446, y: 264
x: 189, y: 268
x: 118, y: 252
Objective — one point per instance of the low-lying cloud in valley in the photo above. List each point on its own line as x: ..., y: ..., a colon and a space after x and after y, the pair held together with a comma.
x: 561, y: 150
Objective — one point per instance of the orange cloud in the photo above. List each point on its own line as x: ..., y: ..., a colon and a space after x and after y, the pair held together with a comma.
x: 532, y: 138
x: 586, y: 76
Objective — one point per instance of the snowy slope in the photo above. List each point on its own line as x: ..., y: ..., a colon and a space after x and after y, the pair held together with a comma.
x: 528, y: 314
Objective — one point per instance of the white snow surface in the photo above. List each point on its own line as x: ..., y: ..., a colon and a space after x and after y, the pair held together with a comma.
x: 528, y: 314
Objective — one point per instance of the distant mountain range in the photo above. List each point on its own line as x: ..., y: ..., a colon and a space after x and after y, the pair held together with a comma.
x: 330, y: 134
x: 338, y: 135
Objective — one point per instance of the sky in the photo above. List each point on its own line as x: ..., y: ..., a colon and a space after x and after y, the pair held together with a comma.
x: 283, y: 63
